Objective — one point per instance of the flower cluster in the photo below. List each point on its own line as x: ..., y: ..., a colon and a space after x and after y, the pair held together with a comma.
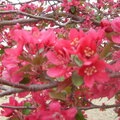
x: 58, y: 58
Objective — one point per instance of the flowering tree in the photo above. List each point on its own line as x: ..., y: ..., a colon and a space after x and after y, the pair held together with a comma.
x: 58, y: 55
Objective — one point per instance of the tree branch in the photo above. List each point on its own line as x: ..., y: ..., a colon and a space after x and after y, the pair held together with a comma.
x: 16, y: 85
x: 11, y: 91
x: 20, y: 21
x: 34, y: 18
x: 93, y: 106
x: 31, y: 87
x: 18, y: 88
x: 17, y: 107
x: 115, y: 75
x: 99, y: 107
x: 3, y: 88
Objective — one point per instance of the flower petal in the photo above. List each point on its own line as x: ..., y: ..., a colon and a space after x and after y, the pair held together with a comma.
x: 116, y: 38
x: 56, y: 71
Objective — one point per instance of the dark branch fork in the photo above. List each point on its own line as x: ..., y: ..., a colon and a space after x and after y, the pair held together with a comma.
x: 18, y: 88
x: 35, y: 18
x: 36, y: 87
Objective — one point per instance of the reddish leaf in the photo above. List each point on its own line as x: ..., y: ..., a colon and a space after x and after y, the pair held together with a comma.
x: 64, y: 84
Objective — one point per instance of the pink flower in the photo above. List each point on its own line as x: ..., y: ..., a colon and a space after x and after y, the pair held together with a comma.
x: 11, y: 63
x: 15, y: 51
x: 48, y: 38
x: 63, y: 47
x: 86, y: 48
x: 75, y: 36
x: 115, y: 24
x: 60, y: 63
x: 94, y: 72
x: 59, y: 58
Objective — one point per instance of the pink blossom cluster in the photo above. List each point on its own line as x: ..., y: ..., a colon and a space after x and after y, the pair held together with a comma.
x: 73, y: 46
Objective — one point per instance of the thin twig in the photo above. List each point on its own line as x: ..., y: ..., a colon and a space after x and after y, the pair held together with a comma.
x: 99, y: 107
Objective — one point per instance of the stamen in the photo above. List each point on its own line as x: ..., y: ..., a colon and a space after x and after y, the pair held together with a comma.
x: 88, y: 52
x: 75, y: 41
x: 90, y: 70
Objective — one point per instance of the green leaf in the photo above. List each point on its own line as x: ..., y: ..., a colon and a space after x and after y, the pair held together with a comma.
x: 24, y: 58
x: 73, y: 9
x: 27, y: 104
x: 70, y: 65
x: 13, y: 118
x: 80, y: 116
x: 98, y: 18
x: 1, y: 51
x: 77, y: 60
x: 62, y: 85
x: 59, y: 96
x: 61, y: 35
x: 26, y: 68
x: 27, y: 111
x: 71, y: 25
x: 117, y: 95
x: 41, y: 50
x: 69, y: 0
x: 38, y: 60
x: 7, y: 18
x: 105, y: 6
x: 25, y: 80
x: 68, y: 90
x: 76, y: 79
x: 45, y: 24
x: 106, y: 49
x: 51, y: 65
x: 60, y: 78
